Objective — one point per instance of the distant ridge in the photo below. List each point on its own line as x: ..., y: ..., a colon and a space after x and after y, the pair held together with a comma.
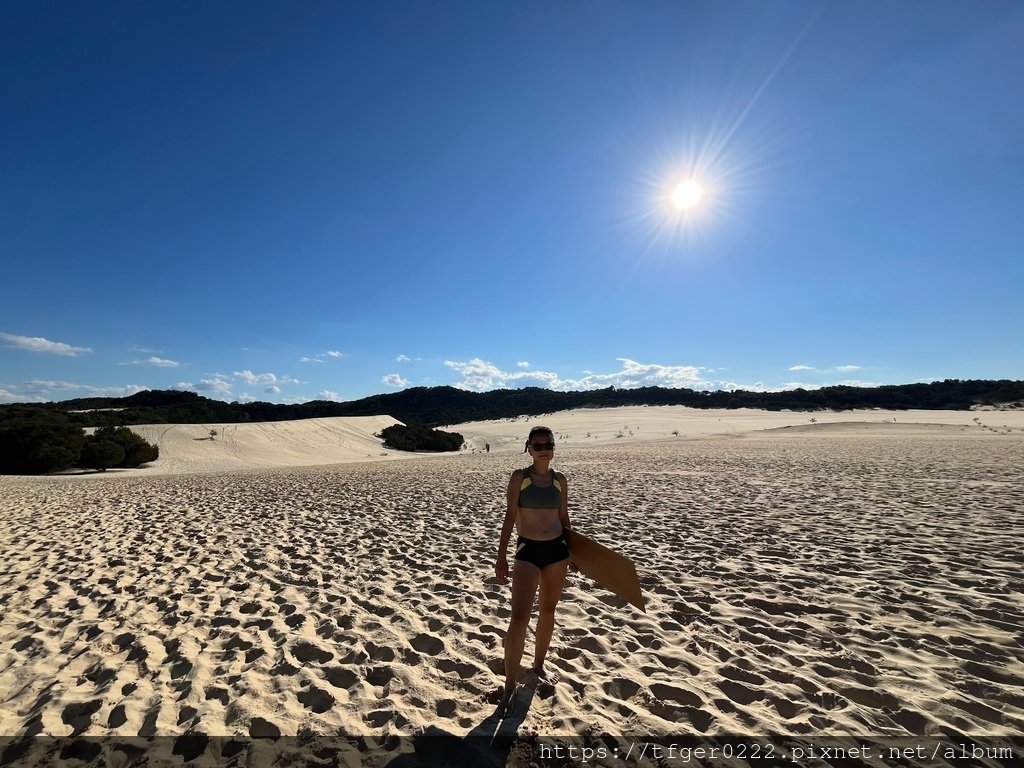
x: 436, y: 406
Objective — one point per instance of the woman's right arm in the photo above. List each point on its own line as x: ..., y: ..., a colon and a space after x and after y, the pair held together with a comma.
x: 511, y: 508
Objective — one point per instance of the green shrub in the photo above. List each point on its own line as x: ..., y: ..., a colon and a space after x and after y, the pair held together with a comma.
x: 100, y: 454
x: 416, y: 437
x: 136, y: 450
x: 37, y: 446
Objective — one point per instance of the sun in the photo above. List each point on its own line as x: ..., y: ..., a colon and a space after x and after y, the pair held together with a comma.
x: 687, y: 195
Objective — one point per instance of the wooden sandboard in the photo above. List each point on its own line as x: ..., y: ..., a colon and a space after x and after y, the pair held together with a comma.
x: 611, y: 570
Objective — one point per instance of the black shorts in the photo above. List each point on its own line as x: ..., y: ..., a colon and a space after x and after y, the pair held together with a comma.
x: 542, y: 553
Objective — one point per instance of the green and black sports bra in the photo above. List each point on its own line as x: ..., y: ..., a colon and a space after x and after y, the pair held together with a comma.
x: 540, y: 496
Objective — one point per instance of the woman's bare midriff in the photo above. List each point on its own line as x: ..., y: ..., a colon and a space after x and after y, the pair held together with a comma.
x: 538, y: 524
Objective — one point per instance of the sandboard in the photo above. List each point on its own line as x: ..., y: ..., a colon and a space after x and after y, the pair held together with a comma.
x: 611, y: 570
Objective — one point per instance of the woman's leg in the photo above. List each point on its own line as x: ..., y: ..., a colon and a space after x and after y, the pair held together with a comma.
x: 525, y: 577
x: 552, y: 577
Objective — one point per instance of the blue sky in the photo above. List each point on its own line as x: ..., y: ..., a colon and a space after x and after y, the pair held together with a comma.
x: 285, y: 202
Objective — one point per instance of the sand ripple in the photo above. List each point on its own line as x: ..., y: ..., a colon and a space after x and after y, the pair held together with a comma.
x: 796, y: 584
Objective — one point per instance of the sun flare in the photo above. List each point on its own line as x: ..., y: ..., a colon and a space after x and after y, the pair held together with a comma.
x: 687, y: 195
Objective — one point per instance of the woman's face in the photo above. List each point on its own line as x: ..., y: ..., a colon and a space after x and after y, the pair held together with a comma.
x: 542, y: 444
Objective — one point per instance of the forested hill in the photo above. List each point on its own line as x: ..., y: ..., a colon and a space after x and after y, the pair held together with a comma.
x: 435, y: 406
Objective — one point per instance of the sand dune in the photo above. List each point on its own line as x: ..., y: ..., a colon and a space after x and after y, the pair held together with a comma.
x: 818, y: 581
x: 189, y: 448
x: 607, y: 426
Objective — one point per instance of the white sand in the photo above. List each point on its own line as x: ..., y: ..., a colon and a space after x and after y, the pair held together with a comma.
x: 190, y: 448
x: 857, y: 578
x: 604, y: 426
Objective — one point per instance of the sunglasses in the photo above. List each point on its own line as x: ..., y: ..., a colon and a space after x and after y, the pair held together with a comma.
x: 543, y: 446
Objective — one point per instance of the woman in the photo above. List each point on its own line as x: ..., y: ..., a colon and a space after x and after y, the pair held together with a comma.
x: 538, y: 506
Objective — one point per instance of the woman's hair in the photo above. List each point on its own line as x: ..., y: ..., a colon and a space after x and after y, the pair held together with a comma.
x: 537, y: 431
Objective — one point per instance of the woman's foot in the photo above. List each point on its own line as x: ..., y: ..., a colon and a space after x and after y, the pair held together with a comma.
x: 546, y: 676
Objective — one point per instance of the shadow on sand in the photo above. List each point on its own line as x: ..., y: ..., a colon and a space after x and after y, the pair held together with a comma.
x: 488, y: 744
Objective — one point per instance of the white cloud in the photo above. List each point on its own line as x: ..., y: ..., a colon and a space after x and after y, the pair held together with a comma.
x: 259, y: 379
x: 252, y: 379
x: 39, y: 387
x: 326, y: 394
x: 41, y: 391
x: 838, y: 368
x: 37, y: 344
x: 479, y: 375
x: 273, y: 390
x: 402, y: 359
x: 219, y: 386
x: 10, y: 397
x: 394, y: 380
x: 522, y: 364
x: 159, y: 362
x: 320, y: 358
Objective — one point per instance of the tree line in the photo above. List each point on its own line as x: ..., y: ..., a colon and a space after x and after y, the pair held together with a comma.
x: 49, y: 437
x: 436, y: 406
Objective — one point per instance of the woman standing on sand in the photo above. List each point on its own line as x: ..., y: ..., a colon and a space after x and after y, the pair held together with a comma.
x: 538, y: 506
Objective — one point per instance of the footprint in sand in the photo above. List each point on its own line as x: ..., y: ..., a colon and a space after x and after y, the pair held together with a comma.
x: 463, y: 669
x: 355, y: 657
x: 342, y: 677
x: 191, y: 745
x: 380, y: 676
x: 786, y: 708
x: 621, y: 688
x: 698, y: 718
x: 117, y: 717
x: 284, y: 668
x: 868, y: 697
x: 148, y: 728
x: 828, y: 700
x: 100, y: 676
x: 734, y: 673
x: 316, y: 700
x: 665, y: 692
x: 380, y: 652
x: 180, y: 667
x: 446, y: 708
x: 978, y: 710
x: 263, y: 729
x: 379, y: 718
x: 914, y: 722
x: 306, y: 652
x: 237, y: 643
x: 220, y: 694
x: 428, y: 644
